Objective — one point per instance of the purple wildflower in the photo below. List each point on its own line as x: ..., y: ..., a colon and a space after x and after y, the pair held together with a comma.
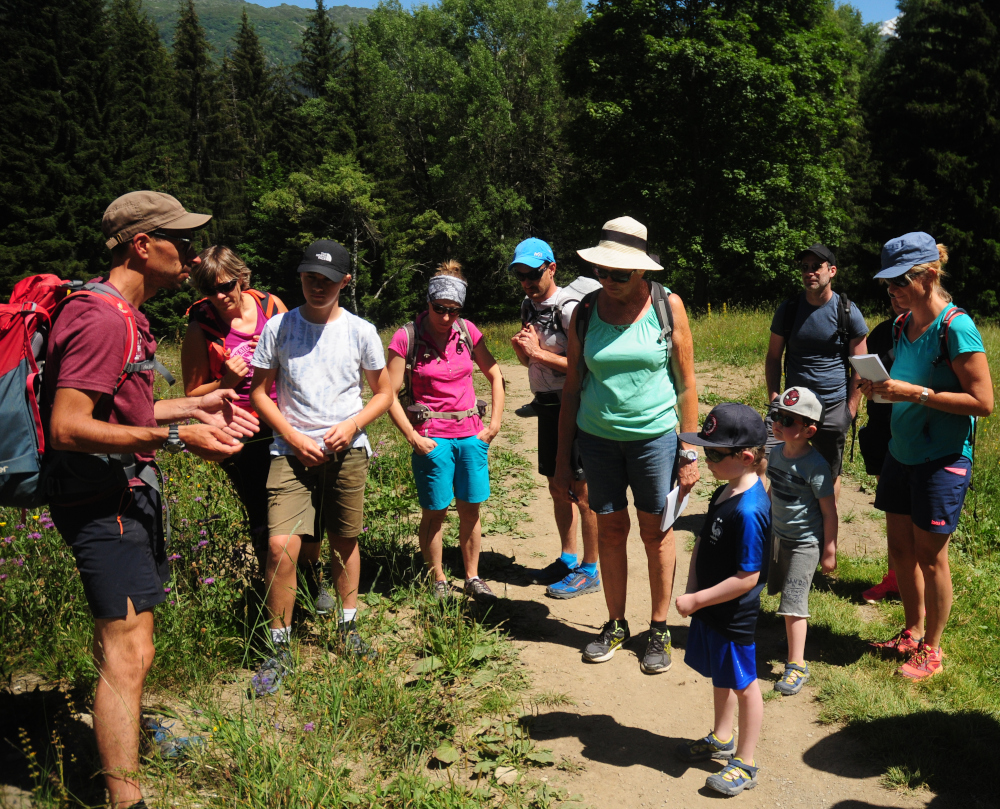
x: 172, y: 603
x: 166, y: 589
x: 20, y: 527
x: 309, y: 727
x: 34, y: 535
x: 184, y: 521
x: 3, y: 576
x: 197, y: 499
x: 203, y: 543
x: 209, y: 580
x: 173, y: 557
x: 20, y: 561
x: 203, y: 533
x: 8, y: 540
x: 2, y: 561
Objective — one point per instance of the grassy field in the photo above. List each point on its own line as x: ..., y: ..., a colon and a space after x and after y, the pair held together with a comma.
x: 446, y: 699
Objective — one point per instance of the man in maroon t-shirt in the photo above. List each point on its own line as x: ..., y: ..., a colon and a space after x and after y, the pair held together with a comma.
x: 116, y: 533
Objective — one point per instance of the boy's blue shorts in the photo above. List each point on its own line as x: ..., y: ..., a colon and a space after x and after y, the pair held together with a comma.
x: 456, y: 467
x: 729, y: 664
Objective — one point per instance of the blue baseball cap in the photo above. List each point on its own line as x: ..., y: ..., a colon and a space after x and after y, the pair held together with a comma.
x: 907, y: 251
x: 534, y: 253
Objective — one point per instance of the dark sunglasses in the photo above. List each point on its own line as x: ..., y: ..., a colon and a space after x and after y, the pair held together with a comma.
x: 806, y: 266
x: 786, y: 420
x: 717, y: 455
x: 172, y: 237
x: 618, y: 276
x: 899, y: 281
x: 225, y: 288
x: 441, y: 309
x: 534, y: 275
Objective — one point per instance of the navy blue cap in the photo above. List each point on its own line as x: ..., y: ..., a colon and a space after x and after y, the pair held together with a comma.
x: 907, y: 251
x: 729, y: 425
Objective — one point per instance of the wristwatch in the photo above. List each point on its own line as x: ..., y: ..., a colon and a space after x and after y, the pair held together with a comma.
x: 173, y: 444
x: 689, y: 455
x: 924, y: 395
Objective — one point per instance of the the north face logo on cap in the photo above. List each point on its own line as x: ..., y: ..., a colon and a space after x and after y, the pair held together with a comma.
x: 791, y: 397
x: 324, y: 257
x: 710, y: 425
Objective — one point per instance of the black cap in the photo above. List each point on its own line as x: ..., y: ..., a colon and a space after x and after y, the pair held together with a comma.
x: 820, y: 250
x: 328, y: 258
x: 730, y: 425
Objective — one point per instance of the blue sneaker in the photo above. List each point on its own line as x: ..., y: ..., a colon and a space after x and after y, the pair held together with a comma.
x: 162, y: 738
x: 736, y: 776
x: 576, y: 583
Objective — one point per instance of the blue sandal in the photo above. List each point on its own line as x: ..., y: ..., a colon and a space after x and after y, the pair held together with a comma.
x: 734, y: 778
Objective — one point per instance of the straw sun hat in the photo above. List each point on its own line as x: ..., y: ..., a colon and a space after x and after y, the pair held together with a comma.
x: 622, y: 246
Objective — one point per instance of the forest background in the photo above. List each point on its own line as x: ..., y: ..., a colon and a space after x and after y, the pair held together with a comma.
x: 738, y: 131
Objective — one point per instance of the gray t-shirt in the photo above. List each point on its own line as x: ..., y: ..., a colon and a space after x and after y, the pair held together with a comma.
x: 797, y: 486
x: 813, y: 350
x: 551, y: 338
x: 319, y: 371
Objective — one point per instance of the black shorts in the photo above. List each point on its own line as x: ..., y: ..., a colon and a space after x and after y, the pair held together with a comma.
x: 873, y: 441
x: 548, y: 439
x: 247, y: 470
x: 119, y: 548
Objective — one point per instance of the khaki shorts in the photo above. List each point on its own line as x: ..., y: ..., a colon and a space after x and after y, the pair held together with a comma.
x: 304, y: 500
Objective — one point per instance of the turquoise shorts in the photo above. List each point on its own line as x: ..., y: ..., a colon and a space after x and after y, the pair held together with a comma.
x: 456, y: 467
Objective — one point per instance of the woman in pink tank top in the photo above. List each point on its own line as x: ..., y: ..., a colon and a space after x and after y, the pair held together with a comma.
x: 218, y: 348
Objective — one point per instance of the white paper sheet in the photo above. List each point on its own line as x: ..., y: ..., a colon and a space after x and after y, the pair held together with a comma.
x: 673, y: 509
x: 870, y: 367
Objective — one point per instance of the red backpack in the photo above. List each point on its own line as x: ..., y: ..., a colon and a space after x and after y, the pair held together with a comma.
x: 25, y: 324
x: 203, y: 313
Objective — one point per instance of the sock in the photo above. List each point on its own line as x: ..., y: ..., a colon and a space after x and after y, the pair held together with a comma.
x: 570, y: 559
x: 282, y: 635
x: 348, y: 616
x: 589, y: 569
x: 472, y: 579
x: 720, y: 739
x: 659, y: 625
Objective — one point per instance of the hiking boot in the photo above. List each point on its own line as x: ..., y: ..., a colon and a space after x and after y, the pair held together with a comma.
x: 792, y: 680
x: 325, y: 602
x: 478, y: 591
x: 656, y: 660
x: 901, y: 645
x: 924, y: 663
x: 165, y: 742
x: 734, y: 778
x: 614, y: 634
x: 272, y: 672
x: 884, y: 589
x: 527, y: 411
x: 550, y: 574
x: 352, y: 642
x: 705, y: 749
x: 576, y: 583
x: 441, y: 590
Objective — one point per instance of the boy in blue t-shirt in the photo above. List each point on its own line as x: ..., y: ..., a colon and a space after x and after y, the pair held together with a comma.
x: 726, y: 576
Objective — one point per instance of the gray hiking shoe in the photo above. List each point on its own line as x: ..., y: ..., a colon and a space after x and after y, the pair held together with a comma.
x: 656, y: 660
x: 792, y: 680
x: 734, y: 778
x: 705, y: 749
x: 325, y: 602
x: 613, y: 635
x: 441, y: 590
x: 479, y: 591
x: 272, y: 672
x: 353, y: 644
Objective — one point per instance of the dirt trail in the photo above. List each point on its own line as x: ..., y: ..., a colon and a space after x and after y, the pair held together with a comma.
x: 621, y: 732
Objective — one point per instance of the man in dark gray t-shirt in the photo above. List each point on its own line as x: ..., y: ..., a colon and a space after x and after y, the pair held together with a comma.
x: 815, y: 354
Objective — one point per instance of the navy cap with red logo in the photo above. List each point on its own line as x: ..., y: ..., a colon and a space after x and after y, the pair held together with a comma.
x: 729, y: 425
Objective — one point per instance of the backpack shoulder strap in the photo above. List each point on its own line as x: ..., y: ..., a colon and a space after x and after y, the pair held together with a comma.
x: 844, y: 330
x: 527, y: 310
x: 203, y: 314
x: 112, y: 298
x: 583, y: 312
x: 788, y: 321
x: 464, y: 335
x: 950, y: 315
x: 664, y: 314
x: 267, y: 302
x: 411, y: 359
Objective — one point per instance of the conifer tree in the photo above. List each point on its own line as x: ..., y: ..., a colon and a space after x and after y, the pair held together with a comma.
x: 322, y: 56
x: 196, y: 90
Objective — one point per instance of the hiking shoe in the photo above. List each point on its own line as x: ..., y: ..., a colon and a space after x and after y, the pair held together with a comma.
x: 527, y: 411
x: 924, y: 663
x: 885, y: 588
x: 734, y: 778
x: 165, y: 742
x: 441, y: 590
x: 903, y: 644
x: 353, y: 643
x: 576, y: 583
x: 272, y: 672
x: 705, y: 749
x: 656, y: 660
x: 479, y: 591
x: 550, y: 574
x: 325, y: 602
x: 614, y: 634
x: 792, y: 680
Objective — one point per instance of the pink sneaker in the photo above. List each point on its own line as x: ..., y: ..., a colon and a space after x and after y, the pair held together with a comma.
x: 885, y: 588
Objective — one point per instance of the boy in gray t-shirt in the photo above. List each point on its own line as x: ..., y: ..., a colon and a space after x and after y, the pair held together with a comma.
x: 804, y: 519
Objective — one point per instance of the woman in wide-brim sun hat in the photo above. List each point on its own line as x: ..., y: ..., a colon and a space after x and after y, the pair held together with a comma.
x: 623, y: 403
x: 941, y: 383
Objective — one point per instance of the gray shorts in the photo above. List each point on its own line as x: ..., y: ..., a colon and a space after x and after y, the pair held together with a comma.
x: 793, y: 565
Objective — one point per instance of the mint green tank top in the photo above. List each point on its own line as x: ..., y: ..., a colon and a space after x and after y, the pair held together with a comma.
x: 628, y: 393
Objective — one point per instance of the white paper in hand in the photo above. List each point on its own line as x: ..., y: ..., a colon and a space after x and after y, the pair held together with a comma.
x: 673, y: 508
x: 870, y: 367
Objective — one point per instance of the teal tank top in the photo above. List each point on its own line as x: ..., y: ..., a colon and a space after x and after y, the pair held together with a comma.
x: 628, y: 393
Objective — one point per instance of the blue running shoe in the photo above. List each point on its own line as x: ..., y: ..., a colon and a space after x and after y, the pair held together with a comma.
x: 162, y: 738
x: 576, y: 583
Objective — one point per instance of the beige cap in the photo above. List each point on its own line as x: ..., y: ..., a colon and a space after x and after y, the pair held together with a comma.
x: 622, y: 246
x: 143, y: 211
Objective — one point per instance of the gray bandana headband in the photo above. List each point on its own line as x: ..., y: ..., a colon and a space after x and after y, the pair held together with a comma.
x: 447, y: 287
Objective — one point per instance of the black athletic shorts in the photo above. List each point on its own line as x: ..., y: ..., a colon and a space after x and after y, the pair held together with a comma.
x: 548, y: 438
x: 120, y: 550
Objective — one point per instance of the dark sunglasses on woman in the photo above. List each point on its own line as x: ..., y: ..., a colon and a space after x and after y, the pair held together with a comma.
x: 446, y: 310
x: 618, y: 276
x: 225, y: 288
x: 899, y: 281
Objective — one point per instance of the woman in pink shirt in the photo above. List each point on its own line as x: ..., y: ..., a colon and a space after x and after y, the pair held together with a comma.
x: 443, y: 424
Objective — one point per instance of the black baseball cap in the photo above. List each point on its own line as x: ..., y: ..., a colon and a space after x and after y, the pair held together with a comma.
x: 729, y: 425
x: 820, y: 250
x: 328, y: 258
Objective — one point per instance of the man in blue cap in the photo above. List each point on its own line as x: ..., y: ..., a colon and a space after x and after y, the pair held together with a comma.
x: 541, y: 346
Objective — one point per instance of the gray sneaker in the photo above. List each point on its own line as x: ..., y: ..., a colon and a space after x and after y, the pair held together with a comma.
x: 656, y: 660
x: 441, y: 590
x: 613, y: 635
x: 325, y: 602
x: 353, y: 643
x: 272, y: 672
x: 791, y: 682
x: 479, y: 591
